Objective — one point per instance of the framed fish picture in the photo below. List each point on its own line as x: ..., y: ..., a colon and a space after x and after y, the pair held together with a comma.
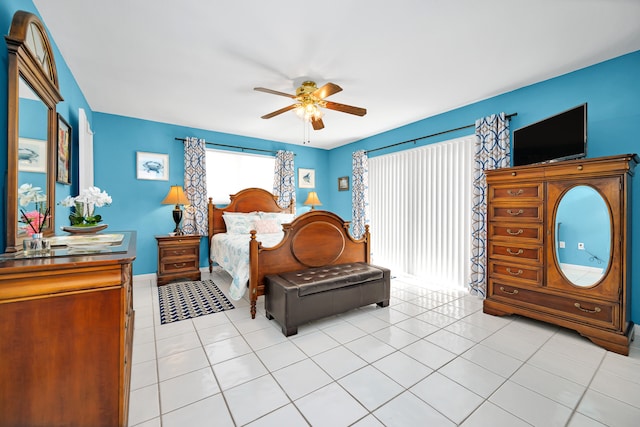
x: 153, y: 166
x: 32, y: 155
x: 306, y: 178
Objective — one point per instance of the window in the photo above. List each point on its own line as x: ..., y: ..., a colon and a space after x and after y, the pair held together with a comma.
x: 229, y: 172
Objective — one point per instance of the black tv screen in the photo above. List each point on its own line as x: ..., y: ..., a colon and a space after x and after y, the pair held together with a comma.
x: 560, y: 137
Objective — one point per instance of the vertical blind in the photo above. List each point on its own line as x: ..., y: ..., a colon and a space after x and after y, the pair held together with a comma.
x: 420, y: 208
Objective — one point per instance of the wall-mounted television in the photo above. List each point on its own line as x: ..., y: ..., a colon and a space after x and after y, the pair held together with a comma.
x: 559, y: 137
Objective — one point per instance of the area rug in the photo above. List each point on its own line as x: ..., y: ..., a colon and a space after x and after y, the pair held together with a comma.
x: 186, y: 300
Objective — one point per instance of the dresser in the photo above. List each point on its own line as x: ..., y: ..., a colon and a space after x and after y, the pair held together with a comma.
x: 559, y: 246
x: 178, y: 258
x: 66, y: 328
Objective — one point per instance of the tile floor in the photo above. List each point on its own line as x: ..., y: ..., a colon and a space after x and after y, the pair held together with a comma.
x: 431, y: 358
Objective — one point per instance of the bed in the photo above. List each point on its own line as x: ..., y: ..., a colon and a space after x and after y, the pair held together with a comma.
x: 316, y: 238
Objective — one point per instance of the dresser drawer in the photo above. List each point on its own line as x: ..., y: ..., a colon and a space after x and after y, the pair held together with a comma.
x: 178, y: 251
x: 523, y: 232
x: 516, y: 191
x: 515, y: 212
x: 178, y: 266
x: 516, y: 252
x: 520, y: 273
x: 595, y: 313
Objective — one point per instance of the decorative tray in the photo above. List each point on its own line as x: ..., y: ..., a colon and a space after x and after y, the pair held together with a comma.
x: 84, y: 230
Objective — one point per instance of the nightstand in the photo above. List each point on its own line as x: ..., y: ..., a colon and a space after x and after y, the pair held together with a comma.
x: 178, y: 258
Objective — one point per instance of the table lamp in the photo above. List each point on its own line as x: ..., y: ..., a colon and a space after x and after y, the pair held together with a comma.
x: 312, y: 199
x: 176, y: 197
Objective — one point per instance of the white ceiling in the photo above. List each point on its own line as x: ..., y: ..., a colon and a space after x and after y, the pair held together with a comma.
x: 195, y: 62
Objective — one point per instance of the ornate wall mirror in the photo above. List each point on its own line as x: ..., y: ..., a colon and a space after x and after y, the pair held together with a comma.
x: 33, y: 93
x: 583, y: 236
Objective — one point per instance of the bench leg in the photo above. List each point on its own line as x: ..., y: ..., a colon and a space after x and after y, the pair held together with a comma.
x: 269, y: 316
x: 384, y: 303
x: 289, y: 331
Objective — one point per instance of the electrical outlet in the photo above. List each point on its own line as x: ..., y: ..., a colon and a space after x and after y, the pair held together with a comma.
x: 581, y: 246
x: 562, y: 244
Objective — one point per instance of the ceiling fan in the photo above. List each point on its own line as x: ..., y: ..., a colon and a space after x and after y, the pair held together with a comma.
x: 309, y: 99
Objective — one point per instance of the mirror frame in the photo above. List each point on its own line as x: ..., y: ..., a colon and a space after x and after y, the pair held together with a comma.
x: 24, y: 64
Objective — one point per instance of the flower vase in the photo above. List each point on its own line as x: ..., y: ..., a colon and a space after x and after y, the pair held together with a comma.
x: 36, y: 245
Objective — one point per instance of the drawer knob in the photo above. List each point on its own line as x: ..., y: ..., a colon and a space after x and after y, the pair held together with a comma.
x: 514, y: 233
x: 513, y: 174
x: 595, y: 310
x: 515, y: 193
x: 514, y: 273
x: 514, y: 292
x: 579, y: 168
x: 182, y: 252
x: 515, y: 213
x: 518, y: 252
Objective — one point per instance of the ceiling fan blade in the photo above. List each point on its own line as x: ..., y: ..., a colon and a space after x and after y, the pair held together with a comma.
x: 280, y: 111
x: 274, y: 92
x: 317, y: 123
x: 326, y: 90
x: 346, y: 108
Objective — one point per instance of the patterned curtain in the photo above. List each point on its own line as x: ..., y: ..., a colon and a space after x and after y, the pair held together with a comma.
x: 492, y: 151
x: 360, y: 196
x: 284, y: 185
x: 195, y: 186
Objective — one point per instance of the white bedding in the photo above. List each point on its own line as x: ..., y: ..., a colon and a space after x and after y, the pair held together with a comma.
x: 231, y: 252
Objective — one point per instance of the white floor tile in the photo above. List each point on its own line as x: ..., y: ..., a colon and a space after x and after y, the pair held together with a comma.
x: 330, y: 406
x: 288, y: 416
x: 144, y: 404
x: 395, y: 337
x: 429, y: 354
x: 314, y: 342
x: 447, y: 396
x: 338, y: 362
x: 217, y: 333
x: 417, y: 327
x: 177, y: 344
x: 229, y: 348
x: 549, y: 385
x: 280, y: 355
x: 236, y: 371
x: 302, y: 378
x: 371, y: 387
x: 409, y: 410
x: 181, y: 363
x: 204, y: 413
x: 607, y: 410
x: 370, y: 348
x: 563, y: 366
x: 254, y: 399
x: 403, y: 369
x: 450, y: 341
x: 530, y: 406
x: 186, y: 389
x: 474, y: 377
x: 489, y: 414
x: 495, y: 361
x: 144, y: 374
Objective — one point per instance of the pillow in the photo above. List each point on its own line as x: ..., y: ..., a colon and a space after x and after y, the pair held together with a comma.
x: 263, y: 226
x: 279, y: 218
x: 240, y: 224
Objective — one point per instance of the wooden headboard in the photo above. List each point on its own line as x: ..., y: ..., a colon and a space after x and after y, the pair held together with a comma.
x: 247, y: 200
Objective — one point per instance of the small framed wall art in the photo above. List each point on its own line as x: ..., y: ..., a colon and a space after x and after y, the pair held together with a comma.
x: 32, y: 155
x: 63, y: 163
x: 343, y: 183
x: 306, y: 178
x: 152, y: 166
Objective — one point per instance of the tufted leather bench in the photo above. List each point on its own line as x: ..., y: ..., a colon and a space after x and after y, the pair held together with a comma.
x: 298, y: 297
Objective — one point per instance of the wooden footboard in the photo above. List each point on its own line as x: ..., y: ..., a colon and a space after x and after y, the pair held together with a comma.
x: 314, y: 239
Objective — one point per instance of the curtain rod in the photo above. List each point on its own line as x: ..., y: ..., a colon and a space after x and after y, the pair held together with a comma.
x: 234, y: 146
x: 429, y: 136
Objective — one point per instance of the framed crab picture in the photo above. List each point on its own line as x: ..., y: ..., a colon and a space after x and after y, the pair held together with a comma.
x: 152, y: 166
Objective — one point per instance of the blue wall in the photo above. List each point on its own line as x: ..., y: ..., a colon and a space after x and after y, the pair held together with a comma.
x: 136, y: 203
